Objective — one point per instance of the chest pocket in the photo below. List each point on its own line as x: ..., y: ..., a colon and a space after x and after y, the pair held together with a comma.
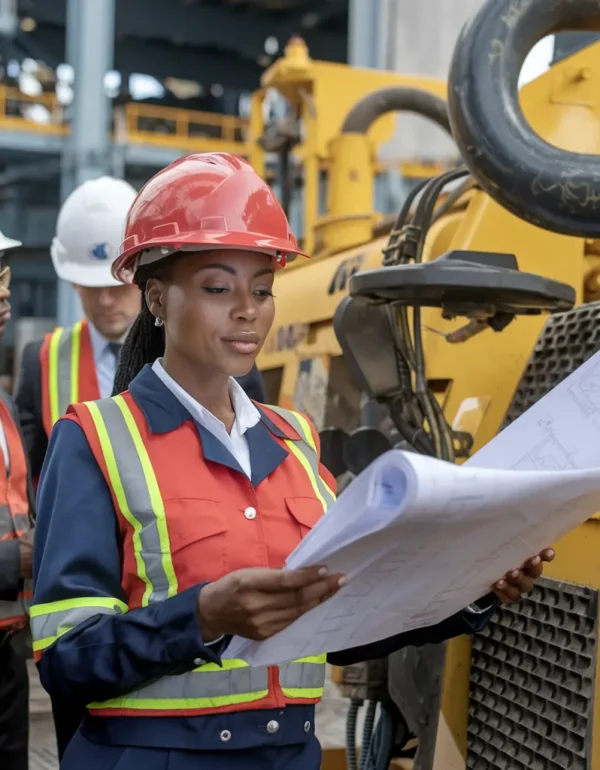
x: 198, y: 536
x: 306, y: 512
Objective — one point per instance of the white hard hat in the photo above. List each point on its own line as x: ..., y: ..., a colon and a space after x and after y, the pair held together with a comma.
x: 89, y: 231
x: 8, y: 243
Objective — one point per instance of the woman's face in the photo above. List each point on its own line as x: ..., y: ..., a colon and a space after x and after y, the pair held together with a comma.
x: 217, y: 307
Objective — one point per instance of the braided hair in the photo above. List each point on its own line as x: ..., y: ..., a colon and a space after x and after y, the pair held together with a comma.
x: 145, y: 341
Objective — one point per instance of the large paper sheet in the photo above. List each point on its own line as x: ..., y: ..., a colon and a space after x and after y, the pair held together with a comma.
x: 420, y: 539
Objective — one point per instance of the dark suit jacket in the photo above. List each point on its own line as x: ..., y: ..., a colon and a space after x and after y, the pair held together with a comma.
x: 10, y: 582
x: 28, y: 399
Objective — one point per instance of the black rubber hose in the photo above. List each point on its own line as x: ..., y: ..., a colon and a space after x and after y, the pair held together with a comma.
x: 367, y: 734
x: 365, y: 112
x: 549, y: 187
x: 351, y: 719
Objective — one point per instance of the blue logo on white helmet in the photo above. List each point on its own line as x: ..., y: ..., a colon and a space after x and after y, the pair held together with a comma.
x: 100, y: 251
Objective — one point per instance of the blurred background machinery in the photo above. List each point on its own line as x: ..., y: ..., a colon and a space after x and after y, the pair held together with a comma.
x: 96, y: 86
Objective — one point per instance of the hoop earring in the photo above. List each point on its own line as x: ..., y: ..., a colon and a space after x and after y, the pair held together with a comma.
x: 158, y: 321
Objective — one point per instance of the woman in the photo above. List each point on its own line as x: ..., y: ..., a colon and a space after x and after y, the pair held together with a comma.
x: 166, y: 513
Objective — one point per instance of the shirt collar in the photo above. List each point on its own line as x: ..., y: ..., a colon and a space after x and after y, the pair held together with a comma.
x: 246, y: 414
x: 99, y: 342
x: 164, y: 412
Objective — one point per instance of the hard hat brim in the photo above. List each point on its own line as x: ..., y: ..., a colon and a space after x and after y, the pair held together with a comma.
x: 8, y: 243
x: 96, y: 277
x: 124, y: 266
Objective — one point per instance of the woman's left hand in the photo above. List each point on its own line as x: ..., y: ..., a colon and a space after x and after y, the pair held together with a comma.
x: 518, y: 582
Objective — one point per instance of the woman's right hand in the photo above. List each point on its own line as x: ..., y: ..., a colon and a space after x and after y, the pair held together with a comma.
x: 257, y: 603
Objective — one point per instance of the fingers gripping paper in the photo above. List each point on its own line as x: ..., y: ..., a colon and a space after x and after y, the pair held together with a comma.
x: 420, y: 538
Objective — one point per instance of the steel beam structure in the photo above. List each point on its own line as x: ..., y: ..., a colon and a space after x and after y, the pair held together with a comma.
x: 87, y: 155
x: 365, y: 36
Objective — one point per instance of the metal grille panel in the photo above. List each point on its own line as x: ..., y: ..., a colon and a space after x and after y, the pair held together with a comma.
x: 533, y: 668
x: 532, y: 683
x: 566, y: 342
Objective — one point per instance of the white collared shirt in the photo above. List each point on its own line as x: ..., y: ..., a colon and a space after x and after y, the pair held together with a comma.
x: 246, y: 416
x: 104, y: 360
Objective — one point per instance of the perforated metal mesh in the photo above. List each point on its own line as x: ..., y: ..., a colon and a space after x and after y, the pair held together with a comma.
x: 533, y: 668
x: 532, y: 683
x: 566, y: 342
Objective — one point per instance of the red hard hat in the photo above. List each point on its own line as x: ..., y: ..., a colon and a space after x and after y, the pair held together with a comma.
x: 211, y: 199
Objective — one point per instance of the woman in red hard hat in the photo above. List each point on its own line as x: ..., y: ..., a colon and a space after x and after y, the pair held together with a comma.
x: 167, y: 512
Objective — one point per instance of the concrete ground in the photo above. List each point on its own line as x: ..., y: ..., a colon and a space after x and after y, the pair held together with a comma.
x: 42, y: 746
x: 331, y: 714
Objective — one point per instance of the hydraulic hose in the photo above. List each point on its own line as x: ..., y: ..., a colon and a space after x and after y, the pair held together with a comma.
x: 371, y: 107
x: 351, y: 719
x: 547, y: 186
x: 367, y: 735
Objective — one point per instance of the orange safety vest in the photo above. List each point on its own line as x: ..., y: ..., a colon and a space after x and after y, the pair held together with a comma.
x: 14, y: 514
x: 180, y: 528
x: 68, y: 371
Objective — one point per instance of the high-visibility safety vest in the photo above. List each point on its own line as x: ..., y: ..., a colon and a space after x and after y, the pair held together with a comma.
x: 14, y: 514
x: 68, y: 371
x: 179, y: 528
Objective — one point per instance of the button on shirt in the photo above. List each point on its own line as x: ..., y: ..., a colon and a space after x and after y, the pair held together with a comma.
x: 246, y: 416
x: 106, y: 358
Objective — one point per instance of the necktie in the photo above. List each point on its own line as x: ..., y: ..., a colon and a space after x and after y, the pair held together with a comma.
x: 115, y: 349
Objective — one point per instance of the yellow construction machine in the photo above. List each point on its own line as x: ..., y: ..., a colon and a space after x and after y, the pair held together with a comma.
x: 319, y: 96
x: 433, y: 338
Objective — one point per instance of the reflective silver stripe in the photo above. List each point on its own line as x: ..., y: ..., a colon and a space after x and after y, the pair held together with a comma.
x: 21, y: 522
x: 308, y: 452
x: 28, y: 591
x: 6, y: 523
x: 63, y: 372
x: 302, y: 675
x: 11, y: 524
x: 137, y: 495
x: 20, y: 607
x: 196, y: 685
x: 53, y: 624
x: 12, y: 610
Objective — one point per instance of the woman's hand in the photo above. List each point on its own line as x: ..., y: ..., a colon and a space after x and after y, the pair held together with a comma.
x: 258, y: 603
x: 521, y: 581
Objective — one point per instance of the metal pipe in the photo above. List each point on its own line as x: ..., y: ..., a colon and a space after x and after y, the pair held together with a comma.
x: 396, y: 99
x: 547, y: 186
x: 349, y: 220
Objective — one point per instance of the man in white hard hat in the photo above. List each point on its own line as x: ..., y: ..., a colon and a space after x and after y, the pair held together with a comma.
x: 79, y: 363
x: 16, y: 565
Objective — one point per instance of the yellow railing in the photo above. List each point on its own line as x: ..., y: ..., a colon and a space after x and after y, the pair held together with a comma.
x: 185, y: 129
x: 13, y: 106
x: 134, y: 122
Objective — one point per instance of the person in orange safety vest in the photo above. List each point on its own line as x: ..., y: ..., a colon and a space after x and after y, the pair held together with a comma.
x: 78, y: 363
x: 166, y: 512
x: 16, y: 566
